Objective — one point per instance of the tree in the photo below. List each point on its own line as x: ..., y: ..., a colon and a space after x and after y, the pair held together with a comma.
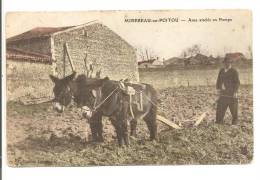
x: 191, y: 51
x: 145, y: 53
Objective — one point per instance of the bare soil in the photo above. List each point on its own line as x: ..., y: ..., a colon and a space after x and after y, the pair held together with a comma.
x: 38, y: 136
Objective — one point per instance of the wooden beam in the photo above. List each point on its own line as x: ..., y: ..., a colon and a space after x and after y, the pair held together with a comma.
x: 70, y: 60
x: 200, y: 118
x: 64, y: 60
x: 167, y: 122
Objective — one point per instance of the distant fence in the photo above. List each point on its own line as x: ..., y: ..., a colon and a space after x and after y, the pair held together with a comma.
x: 191, y: 77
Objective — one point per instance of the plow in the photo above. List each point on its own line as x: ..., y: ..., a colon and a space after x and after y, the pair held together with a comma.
x: 196, y: 121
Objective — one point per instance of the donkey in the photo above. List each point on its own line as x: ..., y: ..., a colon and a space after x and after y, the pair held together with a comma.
x: 104, y: 97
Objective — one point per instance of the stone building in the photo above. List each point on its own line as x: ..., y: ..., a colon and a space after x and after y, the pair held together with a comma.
x: 41, y: 51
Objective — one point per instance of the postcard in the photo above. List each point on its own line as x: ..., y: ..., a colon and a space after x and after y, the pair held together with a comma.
x: 99, y: 88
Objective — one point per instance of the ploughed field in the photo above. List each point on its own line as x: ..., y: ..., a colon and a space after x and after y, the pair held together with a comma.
x: 38, y: 136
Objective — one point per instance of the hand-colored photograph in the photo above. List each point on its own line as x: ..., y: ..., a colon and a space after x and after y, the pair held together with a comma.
x: 109, y: 88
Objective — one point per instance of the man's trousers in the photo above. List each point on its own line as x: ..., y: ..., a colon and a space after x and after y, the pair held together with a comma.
x: 222, y: 104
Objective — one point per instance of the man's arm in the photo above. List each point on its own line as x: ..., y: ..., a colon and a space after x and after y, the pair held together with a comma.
x: 219, y: 81
x: 236, y: 82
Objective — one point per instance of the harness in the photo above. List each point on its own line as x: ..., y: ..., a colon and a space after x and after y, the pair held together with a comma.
x: 127, y: 89
x: 104, y: 100
x: 90, y: 111
x: 131, y: 92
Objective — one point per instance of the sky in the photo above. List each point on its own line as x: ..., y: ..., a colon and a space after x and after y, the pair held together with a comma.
x: 164, y: 39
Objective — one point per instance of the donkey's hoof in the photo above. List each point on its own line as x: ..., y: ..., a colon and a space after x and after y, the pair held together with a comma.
x: 154, y: 139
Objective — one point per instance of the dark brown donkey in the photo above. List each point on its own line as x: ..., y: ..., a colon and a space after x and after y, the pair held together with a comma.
x: 104, y: 97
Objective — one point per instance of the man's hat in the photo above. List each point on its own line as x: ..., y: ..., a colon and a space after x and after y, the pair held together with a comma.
x: 228, y: 59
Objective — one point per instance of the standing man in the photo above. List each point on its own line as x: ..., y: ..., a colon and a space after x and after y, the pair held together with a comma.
x: 227, y: 87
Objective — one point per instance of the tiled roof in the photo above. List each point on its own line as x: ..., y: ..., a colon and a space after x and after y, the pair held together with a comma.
x: 235, y: 55
x: 20, y: 55
x: 37, y: 32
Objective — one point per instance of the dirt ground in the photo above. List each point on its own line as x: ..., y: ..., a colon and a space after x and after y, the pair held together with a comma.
x: 38, y: 136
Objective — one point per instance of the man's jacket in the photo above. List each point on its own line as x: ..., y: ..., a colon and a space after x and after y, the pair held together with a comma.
x: 228, y: 82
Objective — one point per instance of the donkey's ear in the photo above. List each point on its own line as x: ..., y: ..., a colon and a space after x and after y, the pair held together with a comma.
x: 70, y: 77
x: 106, y: 78
x: 96, y: 83
x: 102, y: 81
x: 54, y: 79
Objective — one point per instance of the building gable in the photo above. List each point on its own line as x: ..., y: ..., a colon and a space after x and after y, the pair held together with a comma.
x: 95, y: 44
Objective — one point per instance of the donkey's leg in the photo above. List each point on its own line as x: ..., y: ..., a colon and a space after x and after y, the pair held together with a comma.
x: 124, y: 120
x: 96, y: 127
x: 119, y: 134
x: 133, y: 124
x: 125, y: 132
x: 122, y: 132
x: 99, y: 126
x: 150, y: 120
x: 118, y: 129
x: 93, y: 129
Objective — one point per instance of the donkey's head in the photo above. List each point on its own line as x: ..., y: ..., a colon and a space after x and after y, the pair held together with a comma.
x: 62, y: 92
